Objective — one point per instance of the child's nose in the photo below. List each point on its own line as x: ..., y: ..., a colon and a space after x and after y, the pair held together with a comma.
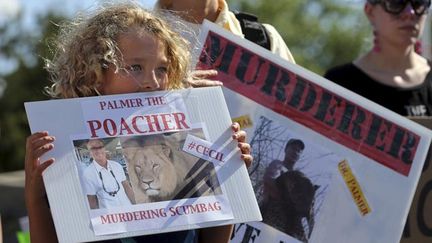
x: 150, y: 82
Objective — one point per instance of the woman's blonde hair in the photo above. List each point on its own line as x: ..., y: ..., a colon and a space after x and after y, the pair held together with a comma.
x: 87, y: 46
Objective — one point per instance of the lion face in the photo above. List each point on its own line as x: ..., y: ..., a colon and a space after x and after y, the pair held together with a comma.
x: 153, y: 171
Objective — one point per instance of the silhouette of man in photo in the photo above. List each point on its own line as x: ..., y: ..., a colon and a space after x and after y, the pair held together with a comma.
x: 289, y: 195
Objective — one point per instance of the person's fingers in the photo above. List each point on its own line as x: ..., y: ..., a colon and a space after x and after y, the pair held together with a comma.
x: 247, y: 158
x: 244, y: 148
x: 30, y: 139
x: 39, y: 151
x: 41, y: 141
x: 41, y: 168
x: 235, y: 126
x: 203, y: 74
x: 204, y: 83
x: 36, y: 145
x: 29, y: 157
x: 202, y: 78
x: 240, y: 136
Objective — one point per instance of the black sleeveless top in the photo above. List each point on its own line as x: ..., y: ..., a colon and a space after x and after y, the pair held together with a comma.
x: 413, y: 101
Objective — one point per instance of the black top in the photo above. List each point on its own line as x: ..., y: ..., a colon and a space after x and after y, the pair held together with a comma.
x: 413, y: 101
x: 188, y: 236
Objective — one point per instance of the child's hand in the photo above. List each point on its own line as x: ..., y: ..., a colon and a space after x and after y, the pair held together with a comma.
x: 37, y: 144
x: 200, y: 78
x: 245, y: 148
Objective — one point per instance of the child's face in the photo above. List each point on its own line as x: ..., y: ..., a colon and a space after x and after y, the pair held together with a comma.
x: 145, y: 66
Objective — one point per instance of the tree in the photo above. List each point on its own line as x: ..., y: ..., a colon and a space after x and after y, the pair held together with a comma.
x: 23, y: 84
x: 319, y: 33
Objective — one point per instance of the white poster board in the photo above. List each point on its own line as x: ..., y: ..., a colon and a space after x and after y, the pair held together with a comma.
x: 363, y: 160
x: 182, y: 137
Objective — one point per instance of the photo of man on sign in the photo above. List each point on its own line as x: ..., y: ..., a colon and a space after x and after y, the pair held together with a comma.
x: 104, y: 179
x: 291, y: 177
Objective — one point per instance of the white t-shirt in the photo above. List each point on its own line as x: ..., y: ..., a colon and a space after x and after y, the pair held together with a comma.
x: 93, y: 184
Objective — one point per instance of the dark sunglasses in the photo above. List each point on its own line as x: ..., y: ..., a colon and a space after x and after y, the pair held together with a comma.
x: 96, y: 148
x: 395, y: 7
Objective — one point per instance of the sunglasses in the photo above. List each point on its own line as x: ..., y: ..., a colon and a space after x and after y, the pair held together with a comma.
x: 396, y: 7
x: 96, y: 148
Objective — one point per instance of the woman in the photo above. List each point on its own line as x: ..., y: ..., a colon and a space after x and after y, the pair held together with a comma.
x: 392, y: 68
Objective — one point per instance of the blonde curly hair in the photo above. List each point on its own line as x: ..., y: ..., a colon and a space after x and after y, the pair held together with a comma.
x: 86, y: 46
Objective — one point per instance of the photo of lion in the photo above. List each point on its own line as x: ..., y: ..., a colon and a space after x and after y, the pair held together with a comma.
x: 159, y: 170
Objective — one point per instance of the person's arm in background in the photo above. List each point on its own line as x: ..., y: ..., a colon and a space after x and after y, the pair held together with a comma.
x: 40, y: 219
x: 278, y: 45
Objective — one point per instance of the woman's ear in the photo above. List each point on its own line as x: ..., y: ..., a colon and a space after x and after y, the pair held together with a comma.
x: 369, y: 11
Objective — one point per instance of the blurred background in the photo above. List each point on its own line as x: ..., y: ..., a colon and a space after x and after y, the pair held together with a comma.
x: 319, y: 33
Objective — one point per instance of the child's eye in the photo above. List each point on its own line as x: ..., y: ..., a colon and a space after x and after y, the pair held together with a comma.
x: 162, y: 70
x: 135, y: 68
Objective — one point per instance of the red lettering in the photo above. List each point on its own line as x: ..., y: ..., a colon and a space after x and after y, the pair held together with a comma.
x: 202, y: 207
x: 166, y: 120
x: 206, y: 151
x: 180, y: 120
x: 107, y: 124
x: 199, y: 150
x: 217, y: 206
x: 102, y: 105
x: 93, y: 128
x: 124, y: 126
x: 105, y: 219
x: 136, y: 215
x: 177, y: 211
x: 218, y: 155
x: 122, y: 217
x: 155, y: 122
x: 143, y: 214
x: 134, y: 124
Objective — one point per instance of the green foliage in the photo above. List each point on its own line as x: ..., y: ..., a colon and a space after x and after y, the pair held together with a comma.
x: 319, y: 33
x: 23, y: 84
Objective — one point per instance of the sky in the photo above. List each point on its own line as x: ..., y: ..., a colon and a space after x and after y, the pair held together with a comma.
x: 31, y: 8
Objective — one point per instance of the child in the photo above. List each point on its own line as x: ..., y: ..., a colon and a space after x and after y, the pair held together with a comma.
x: 121, y: 49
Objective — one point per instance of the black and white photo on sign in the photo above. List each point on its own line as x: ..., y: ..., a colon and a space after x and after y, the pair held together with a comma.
x: 160, y: 171
x: 122, y: 171
x: 103, y: 173
x: 290, y: 177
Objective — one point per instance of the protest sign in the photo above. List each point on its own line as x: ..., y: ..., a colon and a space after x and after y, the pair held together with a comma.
x: 170, y: 164
x: 357, y: 163
x: 418, y: 227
